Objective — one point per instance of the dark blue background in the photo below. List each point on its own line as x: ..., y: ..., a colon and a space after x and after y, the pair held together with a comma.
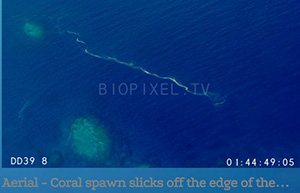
x: 247, y: 51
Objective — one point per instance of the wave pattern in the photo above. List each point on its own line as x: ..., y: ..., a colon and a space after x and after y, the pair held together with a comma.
x: 214, y: 97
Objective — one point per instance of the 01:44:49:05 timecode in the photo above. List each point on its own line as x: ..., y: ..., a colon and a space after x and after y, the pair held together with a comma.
x: 268, y: 162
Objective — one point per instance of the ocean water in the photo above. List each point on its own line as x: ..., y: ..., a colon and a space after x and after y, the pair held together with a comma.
x: 245, y: 53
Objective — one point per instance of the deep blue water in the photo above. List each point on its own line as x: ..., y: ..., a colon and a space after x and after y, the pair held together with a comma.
x: 248, y: 53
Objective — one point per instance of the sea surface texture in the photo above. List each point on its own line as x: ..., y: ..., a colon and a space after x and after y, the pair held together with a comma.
x: 142, y: 83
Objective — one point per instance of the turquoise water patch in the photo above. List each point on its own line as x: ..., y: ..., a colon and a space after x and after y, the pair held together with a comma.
x: 90, y: 139
x: 33, y: 30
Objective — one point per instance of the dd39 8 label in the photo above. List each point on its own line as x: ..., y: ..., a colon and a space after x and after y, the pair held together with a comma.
x: 24, y: 161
